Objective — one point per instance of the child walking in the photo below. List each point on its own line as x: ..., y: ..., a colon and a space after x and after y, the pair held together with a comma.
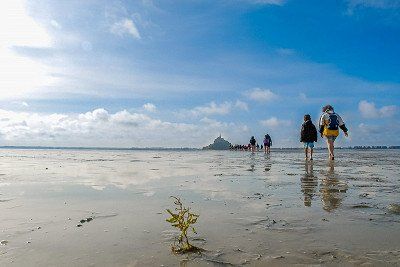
x: 308, y: 135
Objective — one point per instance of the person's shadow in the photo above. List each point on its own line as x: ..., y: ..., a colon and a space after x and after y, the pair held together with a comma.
x: 309, y: 183
x: 332, y: 189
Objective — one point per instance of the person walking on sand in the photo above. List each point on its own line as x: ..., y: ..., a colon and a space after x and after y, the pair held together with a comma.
x: 253, y: 144
x: 329, y: 125
x: 267, y: 144
x: 308, y: 135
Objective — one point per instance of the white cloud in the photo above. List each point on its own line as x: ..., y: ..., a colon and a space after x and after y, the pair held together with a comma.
x: 388, y: 111
x: 212, y: 109
x: 55, y: 24
x: 261, y: 95
x: 102, y: 128
x: 369, y: 110
x: 241, y: 105
x: 274, y: 122
x: 19, y: 75
x: 125, y: 26
x: 150, y: 107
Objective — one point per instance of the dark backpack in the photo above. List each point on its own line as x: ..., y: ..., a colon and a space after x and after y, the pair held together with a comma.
x: 333, y: 122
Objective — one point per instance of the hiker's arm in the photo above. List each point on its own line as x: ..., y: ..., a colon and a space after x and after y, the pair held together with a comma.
x: 321, y: 125
x: 344, y: 129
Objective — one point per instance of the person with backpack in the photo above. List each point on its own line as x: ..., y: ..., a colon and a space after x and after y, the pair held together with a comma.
x: 329, y: 125
x: 253, y: 144
x: 267, y: 144
x: 308, y: 135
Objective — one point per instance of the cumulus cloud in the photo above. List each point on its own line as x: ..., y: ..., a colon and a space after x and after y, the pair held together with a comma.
x: 102, y: 128
x: 369, y: 110
x: 261, y: 95
x: 150, y: 107
x: 212, y: 109
x: 241, y: 105
x: 274, y: 122
x: 125, y: 26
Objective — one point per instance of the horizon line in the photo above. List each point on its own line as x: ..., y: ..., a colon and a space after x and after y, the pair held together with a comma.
x: 183, y: 148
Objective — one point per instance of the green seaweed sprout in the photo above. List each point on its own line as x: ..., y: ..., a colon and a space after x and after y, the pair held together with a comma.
x: 182, y: 219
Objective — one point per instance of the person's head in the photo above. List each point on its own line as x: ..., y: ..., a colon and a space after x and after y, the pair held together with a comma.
x: 327, y: 108
x: 252, y: 137
x: 307, y: 117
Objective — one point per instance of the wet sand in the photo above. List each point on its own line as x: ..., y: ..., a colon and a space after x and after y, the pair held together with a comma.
x: 254, y: 209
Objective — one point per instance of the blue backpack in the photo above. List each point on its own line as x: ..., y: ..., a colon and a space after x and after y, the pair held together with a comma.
x: 333, y: 122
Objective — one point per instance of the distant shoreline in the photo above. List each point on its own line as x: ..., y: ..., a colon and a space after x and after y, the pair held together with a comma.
x: 180, y: 149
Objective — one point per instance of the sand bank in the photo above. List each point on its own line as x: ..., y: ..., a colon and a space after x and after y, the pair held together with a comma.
x: 107, y: 208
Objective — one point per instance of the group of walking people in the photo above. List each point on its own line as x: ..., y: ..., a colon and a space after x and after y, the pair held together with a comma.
x: 253, y: 146
x: 329, y: 125
x: 267, y: 144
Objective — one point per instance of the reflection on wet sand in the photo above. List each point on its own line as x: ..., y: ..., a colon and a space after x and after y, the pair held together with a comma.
x: 268, y: 164
x: 308, y: 184
x: 332, y: 189
x: 252, y: 163
x: 248, y: 204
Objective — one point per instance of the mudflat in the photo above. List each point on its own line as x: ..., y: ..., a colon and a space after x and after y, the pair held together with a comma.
x: 108, y: 208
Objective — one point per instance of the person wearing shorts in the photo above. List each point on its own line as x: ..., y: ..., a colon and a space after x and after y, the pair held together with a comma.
x: 267, y: 144
x: 253, y: 144
x: 308, y: 135
x: 329, y: 125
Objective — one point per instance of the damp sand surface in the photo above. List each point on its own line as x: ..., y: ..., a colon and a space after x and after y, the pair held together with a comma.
x: 107, y: 208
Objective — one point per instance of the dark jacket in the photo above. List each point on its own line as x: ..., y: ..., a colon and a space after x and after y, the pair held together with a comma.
x: 308, y: 132
x: 253, y: 141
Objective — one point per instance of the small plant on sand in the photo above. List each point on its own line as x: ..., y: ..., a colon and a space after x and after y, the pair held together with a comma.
x: 182, y: 219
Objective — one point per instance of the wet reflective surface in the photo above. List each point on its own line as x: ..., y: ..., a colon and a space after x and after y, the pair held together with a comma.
x: 254, y: 209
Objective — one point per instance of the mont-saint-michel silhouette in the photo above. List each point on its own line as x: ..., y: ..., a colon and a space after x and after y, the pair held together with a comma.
x: 219, y: 144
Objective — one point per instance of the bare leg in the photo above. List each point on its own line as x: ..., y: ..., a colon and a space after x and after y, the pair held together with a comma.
x: 265, y: 150
x: 305, y: 151
x: 330, y: 148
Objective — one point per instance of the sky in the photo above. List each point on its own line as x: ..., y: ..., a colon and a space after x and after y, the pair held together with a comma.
x: 149, y: 73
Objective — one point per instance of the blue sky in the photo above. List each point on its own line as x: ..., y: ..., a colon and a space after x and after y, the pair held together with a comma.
x: 178, y: 73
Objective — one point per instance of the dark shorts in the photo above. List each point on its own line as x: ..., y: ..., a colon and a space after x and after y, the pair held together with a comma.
x: 267, y: 145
